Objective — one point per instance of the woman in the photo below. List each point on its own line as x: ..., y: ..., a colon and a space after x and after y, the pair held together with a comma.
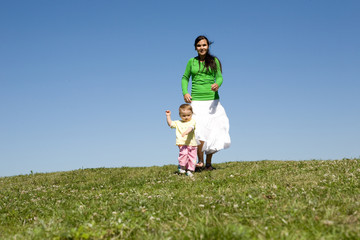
x: 212, y: 123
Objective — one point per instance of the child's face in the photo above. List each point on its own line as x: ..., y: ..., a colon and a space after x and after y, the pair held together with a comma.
x: 185, y: 115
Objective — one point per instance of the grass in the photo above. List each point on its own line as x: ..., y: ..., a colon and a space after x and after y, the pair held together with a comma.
x: 240, y: 200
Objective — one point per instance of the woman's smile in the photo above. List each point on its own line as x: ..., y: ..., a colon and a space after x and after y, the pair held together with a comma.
x: 202, y: 47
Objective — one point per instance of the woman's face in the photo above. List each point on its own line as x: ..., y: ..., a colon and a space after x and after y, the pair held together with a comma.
x: 202, y: 47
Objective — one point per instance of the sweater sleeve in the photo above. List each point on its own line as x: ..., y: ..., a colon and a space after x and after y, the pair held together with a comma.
x: 218, y: 75
x: 186, y: 77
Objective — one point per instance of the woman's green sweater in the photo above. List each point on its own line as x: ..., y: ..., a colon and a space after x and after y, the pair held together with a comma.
x: 201, y: 80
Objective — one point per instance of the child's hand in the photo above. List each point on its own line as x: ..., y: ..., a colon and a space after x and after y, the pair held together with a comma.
x: 190, y: 129
x: 168, y: 117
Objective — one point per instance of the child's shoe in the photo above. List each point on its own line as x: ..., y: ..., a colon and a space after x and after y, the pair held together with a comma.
x: 190, y: 174
x: 181, y: 171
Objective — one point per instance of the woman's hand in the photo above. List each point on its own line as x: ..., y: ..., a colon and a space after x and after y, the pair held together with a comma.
x: 187, y: 98
x: 215, y: 87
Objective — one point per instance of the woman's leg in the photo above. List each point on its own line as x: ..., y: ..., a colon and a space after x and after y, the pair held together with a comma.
x: 208, y: 165
x: 208, y: 159
x: 200, y: 155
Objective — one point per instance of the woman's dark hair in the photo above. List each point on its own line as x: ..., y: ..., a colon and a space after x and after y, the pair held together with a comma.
x: 209, y: 59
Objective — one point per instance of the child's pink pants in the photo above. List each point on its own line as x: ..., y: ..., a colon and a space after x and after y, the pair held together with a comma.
x: 187, y: 157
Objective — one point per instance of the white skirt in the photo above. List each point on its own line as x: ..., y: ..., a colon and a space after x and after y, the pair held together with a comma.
x: 212, y: 125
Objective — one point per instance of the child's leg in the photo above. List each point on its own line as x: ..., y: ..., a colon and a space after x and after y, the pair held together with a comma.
x: 183, y: 152
x: 191, y: 158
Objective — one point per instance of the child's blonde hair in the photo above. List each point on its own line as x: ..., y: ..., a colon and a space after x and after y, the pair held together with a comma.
x: 184, y: 107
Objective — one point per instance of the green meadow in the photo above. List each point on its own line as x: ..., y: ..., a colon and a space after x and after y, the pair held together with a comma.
x: 240, y: 200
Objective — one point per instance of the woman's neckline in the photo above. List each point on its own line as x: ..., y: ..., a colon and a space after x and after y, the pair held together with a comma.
x: 200, y: 60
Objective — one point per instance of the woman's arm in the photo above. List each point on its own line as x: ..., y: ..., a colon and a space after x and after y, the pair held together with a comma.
x: 218, y: 75
x: 185, y: 82
x: 187, y: 98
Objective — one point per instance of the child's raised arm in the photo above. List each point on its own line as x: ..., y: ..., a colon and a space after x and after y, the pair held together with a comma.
x: 168, y: 117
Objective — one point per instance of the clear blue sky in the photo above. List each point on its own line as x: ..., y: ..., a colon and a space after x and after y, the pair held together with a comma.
x: 85, y: 84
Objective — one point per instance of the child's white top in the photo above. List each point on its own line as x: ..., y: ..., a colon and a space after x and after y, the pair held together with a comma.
x: 181, y: 126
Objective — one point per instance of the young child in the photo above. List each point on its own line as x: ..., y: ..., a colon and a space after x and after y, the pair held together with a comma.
x: 185, y: 138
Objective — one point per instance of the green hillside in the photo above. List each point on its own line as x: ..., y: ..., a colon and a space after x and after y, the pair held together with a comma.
x: 240, y: 200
